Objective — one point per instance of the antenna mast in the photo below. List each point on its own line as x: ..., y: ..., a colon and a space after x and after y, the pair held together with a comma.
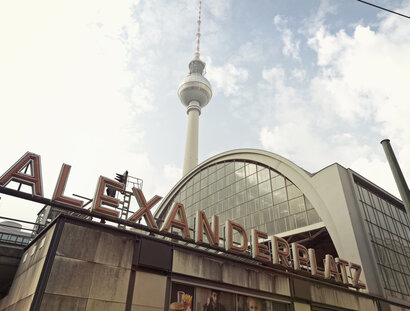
x: 198, y: 34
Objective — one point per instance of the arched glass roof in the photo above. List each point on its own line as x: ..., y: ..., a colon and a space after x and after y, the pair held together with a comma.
x: 248, y: 193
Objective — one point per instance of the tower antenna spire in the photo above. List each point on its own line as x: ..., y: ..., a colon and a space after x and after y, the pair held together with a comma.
x: 198, y: 34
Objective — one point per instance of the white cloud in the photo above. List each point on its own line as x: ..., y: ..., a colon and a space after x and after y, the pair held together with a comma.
x: 291, y: 46
x: 220, y: 9
x: 249, y: 52
x: 298, y: 74
x: 227, y: 78
x: 68, y: 94
x: 364, y: 76
x: 360, y: 91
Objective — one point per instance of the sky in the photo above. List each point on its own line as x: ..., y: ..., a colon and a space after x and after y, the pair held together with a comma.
x: 93, y: 84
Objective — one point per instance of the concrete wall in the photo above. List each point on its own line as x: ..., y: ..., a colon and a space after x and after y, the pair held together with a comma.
x: 231, y: 273
x: 93, y: 267
x: 10, y: 256
x: 339, y: 298
x: 28, y: 274
x: 90, y: 268
x: 91, y: 271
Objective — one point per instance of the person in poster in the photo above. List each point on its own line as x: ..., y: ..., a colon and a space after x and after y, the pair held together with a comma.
x: 213, y: 303
x: 253, y: 304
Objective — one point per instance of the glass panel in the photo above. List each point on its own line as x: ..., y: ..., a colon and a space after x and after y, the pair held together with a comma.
x: 253, y: 206
x: 279, y: 196
x: 377, y: 203
x: 266, y: 201
x: 240, y: 185
x: 239, y: 164
x: 229, y: 168
x: 240, y: 197
x: 204, y: 173
x: 220, y: 173
x: 231, y: 202
x: 366, y: 197
x: 270, y: 228
x: 212, y: 178
x: 283, y: 209
x: 250, y: 169
x: 243, y: 210
x: 266, y: 214
x: 196, y: 197
x: 313, y: 217
x: 282, y: 224
x: 278, y: 182
x: 229, y: 179
x: 220, y: 184
x: 256, y: 219
x: 197, y: 186
x: 377, y: 233
x: 301, y: 220
x: 230, y: 190
x: 197, y: 178
x: 293, y: 192
x: 308, y: 204
x: 204, y: 182
x: 240, y: 173
x: 275, y: 211
x: 251, y: 180
x: 371, y: 214
x: 253, y: 193
x: 204, y: 192
x: 263, y: 175
x: 264, y: 187
x: 296, y: 205
x: 212, y: 188
x: 273, y: 174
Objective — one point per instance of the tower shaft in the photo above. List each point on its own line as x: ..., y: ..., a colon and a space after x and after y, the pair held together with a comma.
x: 195, y: 93
x: 191, y: 143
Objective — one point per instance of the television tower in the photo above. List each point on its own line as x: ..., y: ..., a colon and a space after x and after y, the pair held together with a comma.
x: 194, y: 92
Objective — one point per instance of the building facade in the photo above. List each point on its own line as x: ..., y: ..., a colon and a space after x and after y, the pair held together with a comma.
x: 335, y: 210
x: 94, y: 260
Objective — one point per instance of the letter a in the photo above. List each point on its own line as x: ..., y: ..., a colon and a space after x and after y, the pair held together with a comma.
x: 33, y: 180
x: 170, y: 220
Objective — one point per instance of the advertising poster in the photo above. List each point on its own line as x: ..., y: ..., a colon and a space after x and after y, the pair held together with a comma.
x: 182, y: 298
x: 249, y: 303
x: 214, y: 300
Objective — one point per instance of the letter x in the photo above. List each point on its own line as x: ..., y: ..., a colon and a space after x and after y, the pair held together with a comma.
x: 144, y: 208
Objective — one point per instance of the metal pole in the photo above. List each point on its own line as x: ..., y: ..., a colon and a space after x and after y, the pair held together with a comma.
x: 397, y: 174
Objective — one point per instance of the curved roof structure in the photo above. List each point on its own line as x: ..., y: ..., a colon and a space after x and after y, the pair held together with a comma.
x: 262, y: 190
x: 306, y: 182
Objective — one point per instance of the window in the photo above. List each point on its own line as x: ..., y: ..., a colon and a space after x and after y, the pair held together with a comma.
x: 238, y: 189
x: 388, y: 232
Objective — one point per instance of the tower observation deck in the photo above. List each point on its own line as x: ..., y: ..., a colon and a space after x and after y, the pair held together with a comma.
x: 194, y: 92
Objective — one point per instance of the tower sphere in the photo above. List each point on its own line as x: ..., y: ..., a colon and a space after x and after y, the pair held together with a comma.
x: 195, y: 87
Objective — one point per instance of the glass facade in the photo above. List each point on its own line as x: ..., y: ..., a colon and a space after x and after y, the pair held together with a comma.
x: 389, y: 229
x: 247, y: 193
